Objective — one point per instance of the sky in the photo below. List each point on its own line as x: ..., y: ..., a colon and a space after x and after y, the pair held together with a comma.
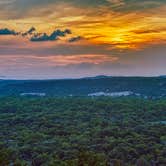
x: 47, y: 39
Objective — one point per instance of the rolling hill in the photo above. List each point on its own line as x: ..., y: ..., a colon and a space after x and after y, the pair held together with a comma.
x: 144, y: 86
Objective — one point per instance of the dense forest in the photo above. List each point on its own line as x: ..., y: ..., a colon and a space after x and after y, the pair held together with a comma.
x: 82, y: 131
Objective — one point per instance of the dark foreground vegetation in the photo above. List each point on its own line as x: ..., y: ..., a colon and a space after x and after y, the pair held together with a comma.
x: 82, y: 132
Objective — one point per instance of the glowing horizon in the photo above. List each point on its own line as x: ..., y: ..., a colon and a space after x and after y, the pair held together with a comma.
x: 114, y: 37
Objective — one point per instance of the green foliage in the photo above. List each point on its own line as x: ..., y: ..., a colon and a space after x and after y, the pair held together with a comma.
x: 82, y: 132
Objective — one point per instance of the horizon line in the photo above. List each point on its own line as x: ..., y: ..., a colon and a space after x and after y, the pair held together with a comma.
x: 76, y: 78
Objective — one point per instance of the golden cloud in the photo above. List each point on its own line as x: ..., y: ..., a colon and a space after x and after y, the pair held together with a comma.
x: 99, y: 26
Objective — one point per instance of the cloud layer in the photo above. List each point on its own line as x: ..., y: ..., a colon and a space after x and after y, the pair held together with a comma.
x: 74, y: 38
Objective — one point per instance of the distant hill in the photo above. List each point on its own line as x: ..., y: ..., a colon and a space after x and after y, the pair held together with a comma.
x: 141, y: 86
x: 97, y: 77
x: 163, y: 76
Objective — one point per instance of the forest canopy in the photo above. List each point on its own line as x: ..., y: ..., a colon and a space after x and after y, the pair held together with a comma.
x: 82, y: 131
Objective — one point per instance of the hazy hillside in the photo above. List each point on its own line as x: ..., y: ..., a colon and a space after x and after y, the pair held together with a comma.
x: 145, y: 86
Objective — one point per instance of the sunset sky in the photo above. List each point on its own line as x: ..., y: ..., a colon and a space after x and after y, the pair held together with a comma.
x: 43, y: 39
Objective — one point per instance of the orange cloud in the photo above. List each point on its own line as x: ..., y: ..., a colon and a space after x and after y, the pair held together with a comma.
x: 60, y: 60
x: 100, y: 25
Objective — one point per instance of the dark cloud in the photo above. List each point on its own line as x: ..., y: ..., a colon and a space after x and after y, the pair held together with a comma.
x: 30, y: 31
x: 75, y: 39
x: 38, y: 38
x: 7, y: 31
x: 54, y: 36
x: 41, y: 37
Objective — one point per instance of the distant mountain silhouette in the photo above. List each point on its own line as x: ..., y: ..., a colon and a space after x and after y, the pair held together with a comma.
x: 97, y: 77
